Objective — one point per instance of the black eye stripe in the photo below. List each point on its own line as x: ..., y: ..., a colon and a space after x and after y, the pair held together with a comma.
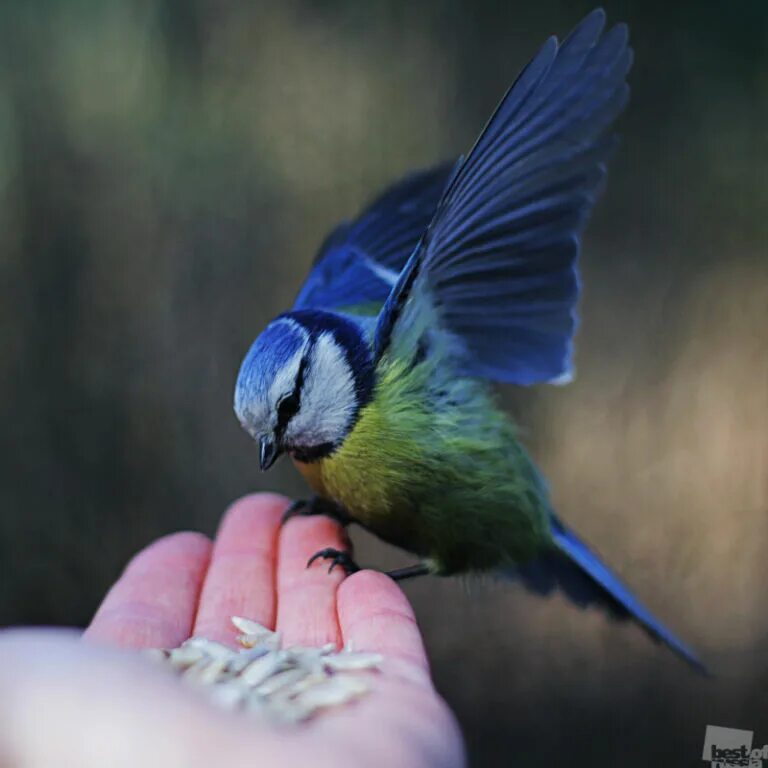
x: 302, y: 372
x: 289, y: 405
x: 287, y: 408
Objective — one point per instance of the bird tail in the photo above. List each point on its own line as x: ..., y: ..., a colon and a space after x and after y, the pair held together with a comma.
x: 586, y: 581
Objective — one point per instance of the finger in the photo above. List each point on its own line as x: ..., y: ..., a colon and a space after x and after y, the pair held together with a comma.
x: 241, y: 576
x: 375, y: 615
x: 404, y: 719
x: 153, y: 604
x: 306, y: 597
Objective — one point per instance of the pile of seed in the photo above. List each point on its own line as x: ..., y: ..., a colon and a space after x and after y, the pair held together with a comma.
x: 283, y: 685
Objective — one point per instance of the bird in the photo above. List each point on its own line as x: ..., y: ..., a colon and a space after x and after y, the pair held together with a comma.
x: 380, y: 382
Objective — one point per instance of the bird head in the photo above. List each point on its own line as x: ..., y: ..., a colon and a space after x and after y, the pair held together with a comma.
x: 302, y: 385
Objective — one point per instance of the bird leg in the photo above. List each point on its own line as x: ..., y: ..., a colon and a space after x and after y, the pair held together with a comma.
x: 316, y: 506
x: 409, y: 572
x: 344, y: 560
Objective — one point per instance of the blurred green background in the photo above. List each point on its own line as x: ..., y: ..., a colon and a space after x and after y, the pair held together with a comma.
x: 167, y: 169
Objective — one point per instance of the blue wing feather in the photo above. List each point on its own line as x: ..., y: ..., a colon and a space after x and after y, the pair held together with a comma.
x: 586, y: 580
x: 359, y: 261
x: 499, y: 258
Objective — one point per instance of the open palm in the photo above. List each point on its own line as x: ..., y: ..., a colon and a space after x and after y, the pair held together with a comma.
x: 184, y: 584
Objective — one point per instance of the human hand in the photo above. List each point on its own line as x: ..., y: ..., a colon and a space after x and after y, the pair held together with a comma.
x: 67, y: 702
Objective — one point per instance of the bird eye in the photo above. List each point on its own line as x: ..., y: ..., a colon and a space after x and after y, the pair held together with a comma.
x: 287, y: 407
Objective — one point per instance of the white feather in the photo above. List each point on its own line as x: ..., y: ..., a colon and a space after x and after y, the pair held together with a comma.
x: 389, y: 276
x: 328, y: 398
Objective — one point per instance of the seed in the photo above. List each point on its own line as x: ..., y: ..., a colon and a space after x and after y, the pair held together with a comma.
x: 261, y: 669
x: 229, y: 695
x: 209, y: 647
x: 328, y: 648
x: 272, y: 640
x: 212, y: 672
x: 250, y: 627
x: 282, y: 686
x: 291, y: 691
x: 310, y: 659
x: 185, y: 656
x: 333, y: 692
x: 280, y: 680
x: 349, y: 660
x: 243, y: 658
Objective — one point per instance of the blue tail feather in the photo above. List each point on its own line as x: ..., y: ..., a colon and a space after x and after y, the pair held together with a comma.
x: 586, y: 580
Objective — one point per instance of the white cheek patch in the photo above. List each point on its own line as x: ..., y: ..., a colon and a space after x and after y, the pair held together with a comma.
x: 328, y: 398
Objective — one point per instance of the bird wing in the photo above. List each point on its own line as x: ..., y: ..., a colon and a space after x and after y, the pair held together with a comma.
x: 497, y: 265
x: 360, y: 261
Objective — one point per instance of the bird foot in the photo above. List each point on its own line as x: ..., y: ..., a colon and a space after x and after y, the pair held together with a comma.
x: 316, y: 506
x: 345, y: 561
x: 337, y: 557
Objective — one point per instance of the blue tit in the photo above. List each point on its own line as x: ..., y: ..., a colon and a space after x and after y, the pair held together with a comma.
x: 378, y: 382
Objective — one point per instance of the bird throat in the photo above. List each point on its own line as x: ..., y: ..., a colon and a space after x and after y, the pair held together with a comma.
x: 312, y: 473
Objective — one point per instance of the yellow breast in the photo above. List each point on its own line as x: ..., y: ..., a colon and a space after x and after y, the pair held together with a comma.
x: 364, y: 474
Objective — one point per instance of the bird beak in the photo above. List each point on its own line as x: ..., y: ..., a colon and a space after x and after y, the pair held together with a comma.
x: 268, y: 452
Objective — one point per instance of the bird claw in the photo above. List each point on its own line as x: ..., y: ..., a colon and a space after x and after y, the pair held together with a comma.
x: 297, y: 508
x: 337, y: 557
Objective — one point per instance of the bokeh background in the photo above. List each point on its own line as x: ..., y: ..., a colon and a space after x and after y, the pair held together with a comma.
x: 167, y: 169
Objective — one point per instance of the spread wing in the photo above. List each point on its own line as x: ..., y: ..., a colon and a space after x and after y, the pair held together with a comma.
x: 361, y: 260
x: 497, y: 266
